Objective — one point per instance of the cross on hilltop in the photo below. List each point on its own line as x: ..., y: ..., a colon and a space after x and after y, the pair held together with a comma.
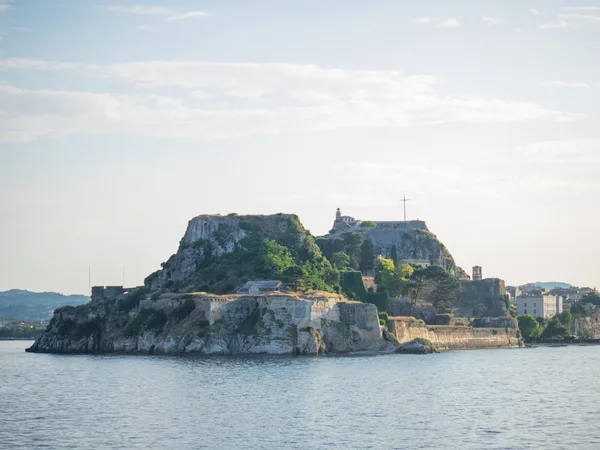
x: 404, y: 200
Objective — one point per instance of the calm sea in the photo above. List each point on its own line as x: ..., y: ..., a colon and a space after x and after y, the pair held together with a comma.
x: 529, y: 398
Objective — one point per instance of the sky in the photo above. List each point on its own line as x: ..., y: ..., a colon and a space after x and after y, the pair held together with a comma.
x: 120, y: 121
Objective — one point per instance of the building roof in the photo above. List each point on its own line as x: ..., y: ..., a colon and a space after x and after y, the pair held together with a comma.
x: 262, y: 284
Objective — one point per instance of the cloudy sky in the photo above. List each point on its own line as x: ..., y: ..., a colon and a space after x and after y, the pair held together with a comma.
x: 121, y: 121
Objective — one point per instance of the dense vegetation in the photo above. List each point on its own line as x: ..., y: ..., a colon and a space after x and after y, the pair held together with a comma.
x: 432, y: 283
x: 559, y: 327
x: 353, y: 288
x: 348, y: 252
x: 288, y: 253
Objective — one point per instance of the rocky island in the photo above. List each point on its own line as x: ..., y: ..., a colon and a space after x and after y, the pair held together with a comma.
x: 263, y: 285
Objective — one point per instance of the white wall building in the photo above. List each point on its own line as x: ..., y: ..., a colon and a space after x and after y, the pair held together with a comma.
x: 545, y: 305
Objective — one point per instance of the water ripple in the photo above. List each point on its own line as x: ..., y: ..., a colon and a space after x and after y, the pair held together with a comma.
x: 504, y: 399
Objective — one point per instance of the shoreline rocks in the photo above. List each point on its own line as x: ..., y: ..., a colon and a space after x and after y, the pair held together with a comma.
x: 418, y: 346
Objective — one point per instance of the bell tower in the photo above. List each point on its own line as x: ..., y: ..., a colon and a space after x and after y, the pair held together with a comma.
x: 338, y: 215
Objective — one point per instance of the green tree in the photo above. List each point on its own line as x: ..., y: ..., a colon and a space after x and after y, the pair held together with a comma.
x: 390, y: 278
x: 273, y: 258
x: 352, y: 243
x: 581, y: 309
x: 394, y: 254
x: 383, y: 265
x: 554, y: 329
x: 440, y: 286
x: 367, y: 256
x: 368, y: 224
x: 591, y: 297
x: 566, y: 319
x: 295, y: 277
x: 340, y: 260
x: 530, y: 328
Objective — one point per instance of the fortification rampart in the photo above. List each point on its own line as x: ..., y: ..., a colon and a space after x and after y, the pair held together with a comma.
x: 452, y: 337
x: 299, y: 309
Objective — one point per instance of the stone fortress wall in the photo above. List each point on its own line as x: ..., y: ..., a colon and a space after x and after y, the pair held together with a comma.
x: 305, y: 308
x: 406, y: 329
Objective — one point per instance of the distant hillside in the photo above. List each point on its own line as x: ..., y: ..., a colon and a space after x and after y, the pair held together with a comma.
x: 549, y: 285
x: 18, y: 304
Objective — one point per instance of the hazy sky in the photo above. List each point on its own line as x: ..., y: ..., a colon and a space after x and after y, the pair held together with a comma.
x: 121, y: 121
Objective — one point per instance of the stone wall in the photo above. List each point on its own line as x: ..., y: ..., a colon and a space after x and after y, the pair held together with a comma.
x: 402, y: 307
x: 452, y: 337
x: 481, y: 298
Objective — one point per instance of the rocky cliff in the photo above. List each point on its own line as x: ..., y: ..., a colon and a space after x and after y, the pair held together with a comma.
x: 416, y: 244
x: 219, y: 253
x: 217, y: 325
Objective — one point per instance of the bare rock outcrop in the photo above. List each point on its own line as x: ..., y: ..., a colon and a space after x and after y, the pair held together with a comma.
x: 310, y: 324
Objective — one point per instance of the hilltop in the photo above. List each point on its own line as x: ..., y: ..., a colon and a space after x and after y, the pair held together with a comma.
x: 406, y: 242
x: 220, y: 253
x: 18, y: 304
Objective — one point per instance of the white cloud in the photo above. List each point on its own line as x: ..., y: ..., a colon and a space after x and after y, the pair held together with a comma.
x: 143, y: 28
x: 534, y: 11
x: 580, y: 8
x: 552, y: 25
x: 440, y: 23
x: 188, y: 15
x: 426, y: 19
x: 588, y: 18
x: 241, y: 99
x: 35, y: 64
x: 570, y: 19
x: 493, y: 20
x: 138, y: 9
x: 449, y: 23
x: 560, y: 83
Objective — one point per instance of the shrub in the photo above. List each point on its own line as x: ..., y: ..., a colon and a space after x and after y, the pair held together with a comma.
x: 352, y: 285
x: 368, y: 224
x: 383, y: 318
x: 64, y: 309
x: 379, y: 299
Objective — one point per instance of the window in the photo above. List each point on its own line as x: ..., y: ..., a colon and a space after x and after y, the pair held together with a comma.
x: 534, y: 311
x: 525, y: 311
x: 534, y: 304
x: 525, y: 305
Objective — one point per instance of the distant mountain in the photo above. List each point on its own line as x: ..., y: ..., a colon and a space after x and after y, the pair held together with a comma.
x: 549, y: 285
x: 18, y: 304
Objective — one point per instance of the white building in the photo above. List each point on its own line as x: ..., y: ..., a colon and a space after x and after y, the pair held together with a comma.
x: 545, y: 305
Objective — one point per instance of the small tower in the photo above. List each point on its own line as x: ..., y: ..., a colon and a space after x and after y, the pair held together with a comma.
x: 477, y: 273
x: 338, y: 215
